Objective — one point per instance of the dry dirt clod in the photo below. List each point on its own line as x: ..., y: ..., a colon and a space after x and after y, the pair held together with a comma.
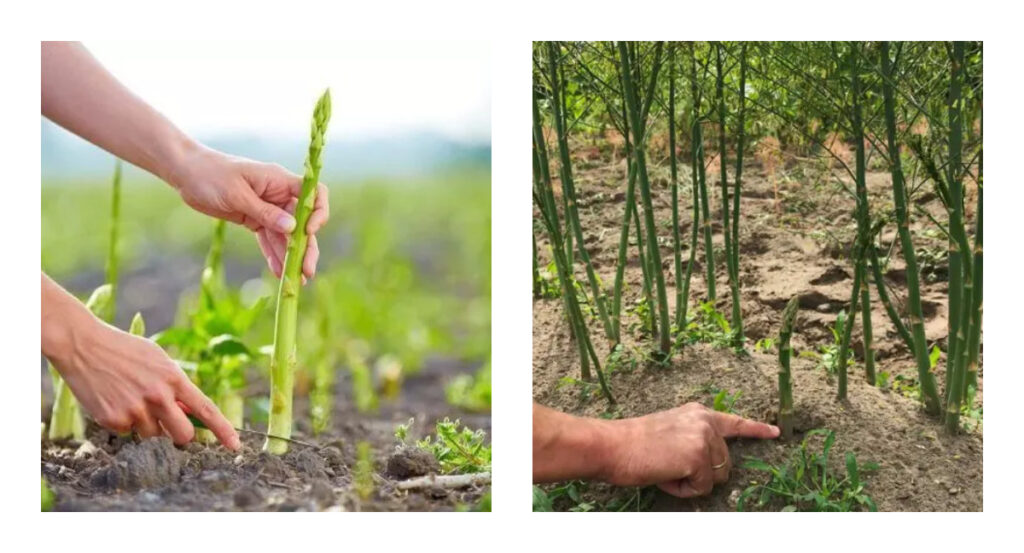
x: 309, y: 463
x: 408, y: 461
x: 246, y: 497
x: 148, y: 464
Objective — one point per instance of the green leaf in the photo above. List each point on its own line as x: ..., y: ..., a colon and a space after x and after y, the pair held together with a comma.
x: 757, y: 464
x: 227, y: 344
x: 541, y: 501
x: 179, y: 337
x: 851, y: 469
x: 933, y: 358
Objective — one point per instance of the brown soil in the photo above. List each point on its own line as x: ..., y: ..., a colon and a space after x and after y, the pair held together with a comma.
x: 797, y: 246
x: 110, y: 473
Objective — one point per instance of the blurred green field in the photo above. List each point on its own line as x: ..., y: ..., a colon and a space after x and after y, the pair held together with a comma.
x: 404, y: 269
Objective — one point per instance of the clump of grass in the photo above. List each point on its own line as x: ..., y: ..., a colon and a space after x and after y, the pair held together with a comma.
x: 807, y: 483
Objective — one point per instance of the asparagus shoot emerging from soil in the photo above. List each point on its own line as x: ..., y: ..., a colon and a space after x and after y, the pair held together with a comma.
x: 785, y: 378
x: 282, y: 363
x: 66, y: 417
x: 138, y: 326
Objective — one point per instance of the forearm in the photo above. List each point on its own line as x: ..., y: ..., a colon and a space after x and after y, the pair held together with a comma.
x: 80, y: 95
x: 64, y: 321
x: 571, y: 448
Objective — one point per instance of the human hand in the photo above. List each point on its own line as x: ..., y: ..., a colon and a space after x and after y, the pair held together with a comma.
x: 260, y: 196
x: 682, y: 450
x: 127, y: 383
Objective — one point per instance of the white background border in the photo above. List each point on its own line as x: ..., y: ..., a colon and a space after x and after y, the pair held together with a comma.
x: 510, y: 28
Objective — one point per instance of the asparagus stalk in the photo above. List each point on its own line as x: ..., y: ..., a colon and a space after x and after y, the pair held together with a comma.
x: 654, y: 255
x: 918, y: 344
x: 785, y: 377
x: 737, y: 315
x: 696, y: 167
x: 66, y: 419
x: 569, y: 192
x: 283, y: 361
x: 728, y: 236
x: 676, y: 250
x: 956, y: 260
x: 112, y: 257
x: 863, y: 214
x: 698, y: 139
x: 546, y: 203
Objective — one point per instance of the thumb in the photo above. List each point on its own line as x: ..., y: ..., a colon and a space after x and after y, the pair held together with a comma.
x: 265, y: 214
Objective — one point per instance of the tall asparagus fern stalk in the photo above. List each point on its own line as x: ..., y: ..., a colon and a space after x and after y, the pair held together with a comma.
x: 283, y: 361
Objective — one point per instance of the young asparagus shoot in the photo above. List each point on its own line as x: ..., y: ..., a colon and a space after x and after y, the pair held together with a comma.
x: 66, y: 421
x: 283, y: 361
x: 138, y: 326
x: 785, y: 377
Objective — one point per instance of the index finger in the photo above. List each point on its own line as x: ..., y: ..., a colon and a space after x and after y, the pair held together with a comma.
x: 202, y: 408
x: 734, y: 426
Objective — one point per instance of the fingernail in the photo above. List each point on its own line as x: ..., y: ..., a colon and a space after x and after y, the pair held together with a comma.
x: 285, y: 223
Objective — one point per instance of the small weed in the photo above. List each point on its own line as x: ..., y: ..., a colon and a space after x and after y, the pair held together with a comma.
x: 588, y: 390
x: 764, y: 345
x: 547, y: 284
x: 827, y: 356
x: 570, y: 495
x: 933, y: 262
x: 708, y: 326
x: 882, y: 380
x: 724, y: 401
x: 806, y: 483
x: 970, y: 415
x: 458, y: 450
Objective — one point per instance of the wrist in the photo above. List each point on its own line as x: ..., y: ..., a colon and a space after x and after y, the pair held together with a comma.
x: 65, y: 328
x: 178, y: 156
x: 606, y: 449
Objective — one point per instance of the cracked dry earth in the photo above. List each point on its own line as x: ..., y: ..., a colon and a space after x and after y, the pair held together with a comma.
x: 796, y: 246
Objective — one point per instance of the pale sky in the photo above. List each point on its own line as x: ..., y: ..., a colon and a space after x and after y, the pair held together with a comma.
x: 377, y: 88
